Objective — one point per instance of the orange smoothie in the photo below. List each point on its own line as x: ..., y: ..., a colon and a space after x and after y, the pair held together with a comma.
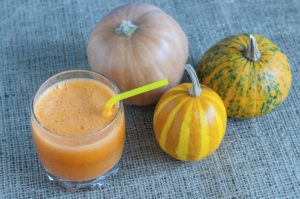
x: 73, y: 139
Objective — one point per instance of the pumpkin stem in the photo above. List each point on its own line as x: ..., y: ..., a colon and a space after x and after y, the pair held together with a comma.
x: 252, y: 53
x: 126, y: 28
x: 195, y: 90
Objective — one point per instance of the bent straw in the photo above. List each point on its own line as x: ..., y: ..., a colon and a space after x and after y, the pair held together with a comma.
x: 143, y: 89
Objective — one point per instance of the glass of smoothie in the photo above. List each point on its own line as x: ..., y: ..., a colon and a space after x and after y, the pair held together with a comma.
x: 77, y: 145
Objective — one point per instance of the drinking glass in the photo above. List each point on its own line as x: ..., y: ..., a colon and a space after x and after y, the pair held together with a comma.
x: 81, y: 161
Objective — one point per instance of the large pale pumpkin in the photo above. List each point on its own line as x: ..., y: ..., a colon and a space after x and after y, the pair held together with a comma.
x: 190, y: 120
x: 249, y: 72
x: 137, y: 44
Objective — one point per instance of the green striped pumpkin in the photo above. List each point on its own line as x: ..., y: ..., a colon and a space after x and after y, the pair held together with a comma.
x: 249, y: 72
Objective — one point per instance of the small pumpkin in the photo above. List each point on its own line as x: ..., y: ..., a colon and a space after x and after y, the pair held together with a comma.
x: 190, y: 120
x: 249, y: 72
x: 137, y: 44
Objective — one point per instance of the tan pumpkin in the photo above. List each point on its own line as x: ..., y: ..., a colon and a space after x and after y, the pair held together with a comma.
x: 137, y: 44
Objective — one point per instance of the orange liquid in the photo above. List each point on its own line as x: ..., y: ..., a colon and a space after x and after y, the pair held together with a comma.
x: 78, y: 150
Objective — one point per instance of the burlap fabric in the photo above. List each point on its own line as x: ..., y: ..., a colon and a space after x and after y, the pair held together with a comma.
x: 259, y: 158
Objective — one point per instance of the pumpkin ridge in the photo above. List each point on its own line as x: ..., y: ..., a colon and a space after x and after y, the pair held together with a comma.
x: 238, y: 49
x: 165, y: 101
x: 185, y: 86
x: 267, y: 46
x: 255, y: 89
x: 160, y: 120
x: 174, y: 133
x: 264, y: 43
x: 232, y: 40
x: 264, y: 60
x: 244, y: 100
x: 264, y: 89
x: 152, y: 42
x: 223, y: 59
x: 266, y: 52
x: 233, y: 85
x: 92, y: 59
x: 272, y: 89
x: 213, y: 132
x: 151, y: 8
x: 237, y: 46
x: 137, y: 52
x: 178, y: 89
x: 216, y: 69
x: 194, y: 136
x: 218, y: 104
x: 217, y: 52
x: 144, y: 15
x: 216, y: 133
x: 109, y: 64
x: 182, y: 147
x: 204, y: 136
x: 171, y: 116
x: 174, y: 92
x: 275, y: 55
x: 214, y: 49
x: 136, y: 73
x: 172, y: 22
x: 228, y: 75
x: 182, y: 88
x: 206, y: 96
x: 281, y: 61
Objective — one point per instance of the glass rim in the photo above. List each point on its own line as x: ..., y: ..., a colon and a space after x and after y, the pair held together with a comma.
x: 116, y: 89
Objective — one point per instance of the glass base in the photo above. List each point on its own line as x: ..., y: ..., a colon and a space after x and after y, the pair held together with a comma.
x: 85, y: 185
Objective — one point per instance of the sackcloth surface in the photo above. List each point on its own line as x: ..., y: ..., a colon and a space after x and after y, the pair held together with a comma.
x: 259, y: 158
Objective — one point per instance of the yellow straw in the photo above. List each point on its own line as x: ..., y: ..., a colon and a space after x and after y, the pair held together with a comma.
x: 116, y: 98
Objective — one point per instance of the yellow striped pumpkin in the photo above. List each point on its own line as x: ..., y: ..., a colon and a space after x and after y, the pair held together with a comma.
x: 190, y: 120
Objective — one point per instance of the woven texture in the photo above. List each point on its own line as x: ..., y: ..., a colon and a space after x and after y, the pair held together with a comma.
x: 259, y: 158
